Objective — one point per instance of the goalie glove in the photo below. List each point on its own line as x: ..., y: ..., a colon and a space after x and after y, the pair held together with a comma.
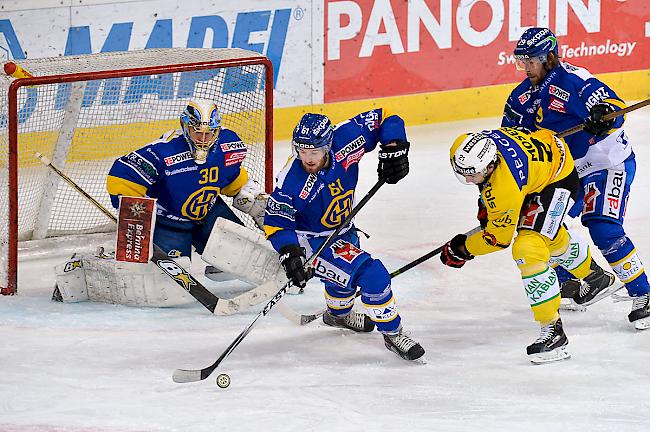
x: 251, y: 199
x: 393, y: 161
x: 454, y: 253
x: 292, y: 258
x: 595, y: 124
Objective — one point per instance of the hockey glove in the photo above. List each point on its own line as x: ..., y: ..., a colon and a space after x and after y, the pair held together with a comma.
x: 292, y: 258
x: 482, y: 215
x: 393, y: 161
x: 454, y: 253
x: 595, y: 124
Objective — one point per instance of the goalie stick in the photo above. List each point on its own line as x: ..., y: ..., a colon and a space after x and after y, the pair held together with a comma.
x: 192, y: 375
x: 180, y: 275
x: 303, y: 319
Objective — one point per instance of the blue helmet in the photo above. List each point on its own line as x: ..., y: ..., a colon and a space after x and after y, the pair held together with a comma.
x: 536, y: 42
x: 313, y: 131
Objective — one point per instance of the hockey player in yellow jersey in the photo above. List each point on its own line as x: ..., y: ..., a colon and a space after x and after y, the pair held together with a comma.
x: 527, y: 183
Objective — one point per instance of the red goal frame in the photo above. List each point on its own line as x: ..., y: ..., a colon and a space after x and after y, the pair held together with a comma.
x: 13, y: 107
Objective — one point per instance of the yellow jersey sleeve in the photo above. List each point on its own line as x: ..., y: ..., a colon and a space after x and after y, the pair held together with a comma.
x: 503, y: 201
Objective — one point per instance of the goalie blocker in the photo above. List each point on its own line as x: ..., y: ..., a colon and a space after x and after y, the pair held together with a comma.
x: 127, y: 277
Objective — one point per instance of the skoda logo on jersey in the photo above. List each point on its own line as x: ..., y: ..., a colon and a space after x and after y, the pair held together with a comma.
x: 338, y: 210
x: 178, y: 273
x: 198, y: 204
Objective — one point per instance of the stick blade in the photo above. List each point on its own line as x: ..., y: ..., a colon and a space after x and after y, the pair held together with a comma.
x: 185, y: 376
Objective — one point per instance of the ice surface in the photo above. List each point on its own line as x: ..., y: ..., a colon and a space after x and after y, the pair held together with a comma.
x: 95, y: 367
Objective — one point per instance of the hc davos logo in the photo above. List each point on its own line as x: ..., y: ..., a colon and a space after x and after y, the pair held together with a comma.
x: 338, y: 210
x: 198, y: 204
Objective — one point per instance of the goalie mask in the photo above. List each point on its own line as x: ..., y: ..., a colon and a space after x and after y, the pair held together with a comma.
x: 471, y: 154
x: 201, y: 123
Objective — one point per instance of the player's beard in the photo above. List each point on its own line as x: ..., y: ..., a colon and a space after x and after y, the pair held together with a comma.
x: 315, y: 167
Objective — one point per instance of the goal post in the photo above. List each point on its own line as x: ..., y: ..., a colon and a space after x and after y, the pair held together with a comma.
x: 83, y: 112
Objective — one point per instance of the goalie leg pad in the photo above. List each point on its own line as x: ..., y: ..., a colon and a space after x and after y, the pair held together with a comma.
x: 236, y: 249
x: 71, y: 281
x: 102, y: 279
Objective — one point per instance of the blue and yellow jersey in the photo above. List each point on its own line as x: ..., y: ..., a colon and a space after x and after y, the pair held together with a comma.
x: 527, y: 163
x: 166, y: 170
x: 563, y: 100
x: 316, y: 204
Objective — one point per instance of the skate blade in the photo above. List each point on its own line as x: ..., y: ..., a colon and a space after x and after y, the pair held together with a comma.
x: 642, y: 324
x: 551, y: 356
x: 568, y: 304
x: 603, y: 294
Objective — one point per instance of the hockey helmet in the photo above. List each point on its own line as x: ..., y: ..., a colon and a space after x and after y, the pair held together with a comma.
x: 472, y: 153
x: 201, y: 123
x: 535, y: 44
x: 314, y: 131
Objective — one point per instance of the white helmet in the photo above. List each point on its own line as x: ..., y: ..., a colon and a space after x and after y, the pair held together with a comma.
x: 471, y: 153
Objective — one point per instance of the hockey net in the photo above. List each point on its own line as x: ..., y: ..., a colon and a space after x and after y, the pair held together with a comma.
x: 83, y: 112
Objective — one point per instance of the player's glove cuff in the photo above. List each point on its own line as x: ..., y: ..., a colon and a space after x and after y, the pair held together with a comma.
x: 393, y: 161
x: 454, y: 254
x: 292, y: 258
x: 595, y: 124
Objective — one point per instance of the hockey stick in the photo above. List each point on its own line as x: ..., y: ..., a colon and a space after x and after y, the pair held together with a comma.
x: 606, y: 117
x: 303, y: 319
x: 191, y: 375
x: 181, y: 276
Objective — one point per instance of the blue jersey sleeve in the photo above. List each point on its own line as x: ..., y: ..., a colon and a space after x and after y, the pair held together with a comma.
x: 595, y: 91
x: 280, y: 219
x: 133, y: 174
x: 391, y: 128
x: 376, y: 126
x: 518, y: 109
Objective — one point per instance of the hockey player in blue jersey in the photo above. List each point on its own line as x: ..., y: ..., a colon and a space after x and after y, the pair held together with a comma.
x: 314, y: 193
x: 557, y: 95
x: 187, y: 170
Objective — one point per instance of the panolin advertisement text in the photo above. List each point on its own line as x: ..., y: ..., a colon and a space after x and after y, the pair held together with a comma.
x: 377, y: 48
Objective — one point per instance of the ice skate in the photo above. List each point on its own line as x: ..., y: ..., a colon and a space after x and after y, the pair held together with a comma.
x: 550, y: 346
x: 403, y: 346
x: 595, y: 287
x: 640, y: 315
x: 569, y: 289
x: 355, y: 321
